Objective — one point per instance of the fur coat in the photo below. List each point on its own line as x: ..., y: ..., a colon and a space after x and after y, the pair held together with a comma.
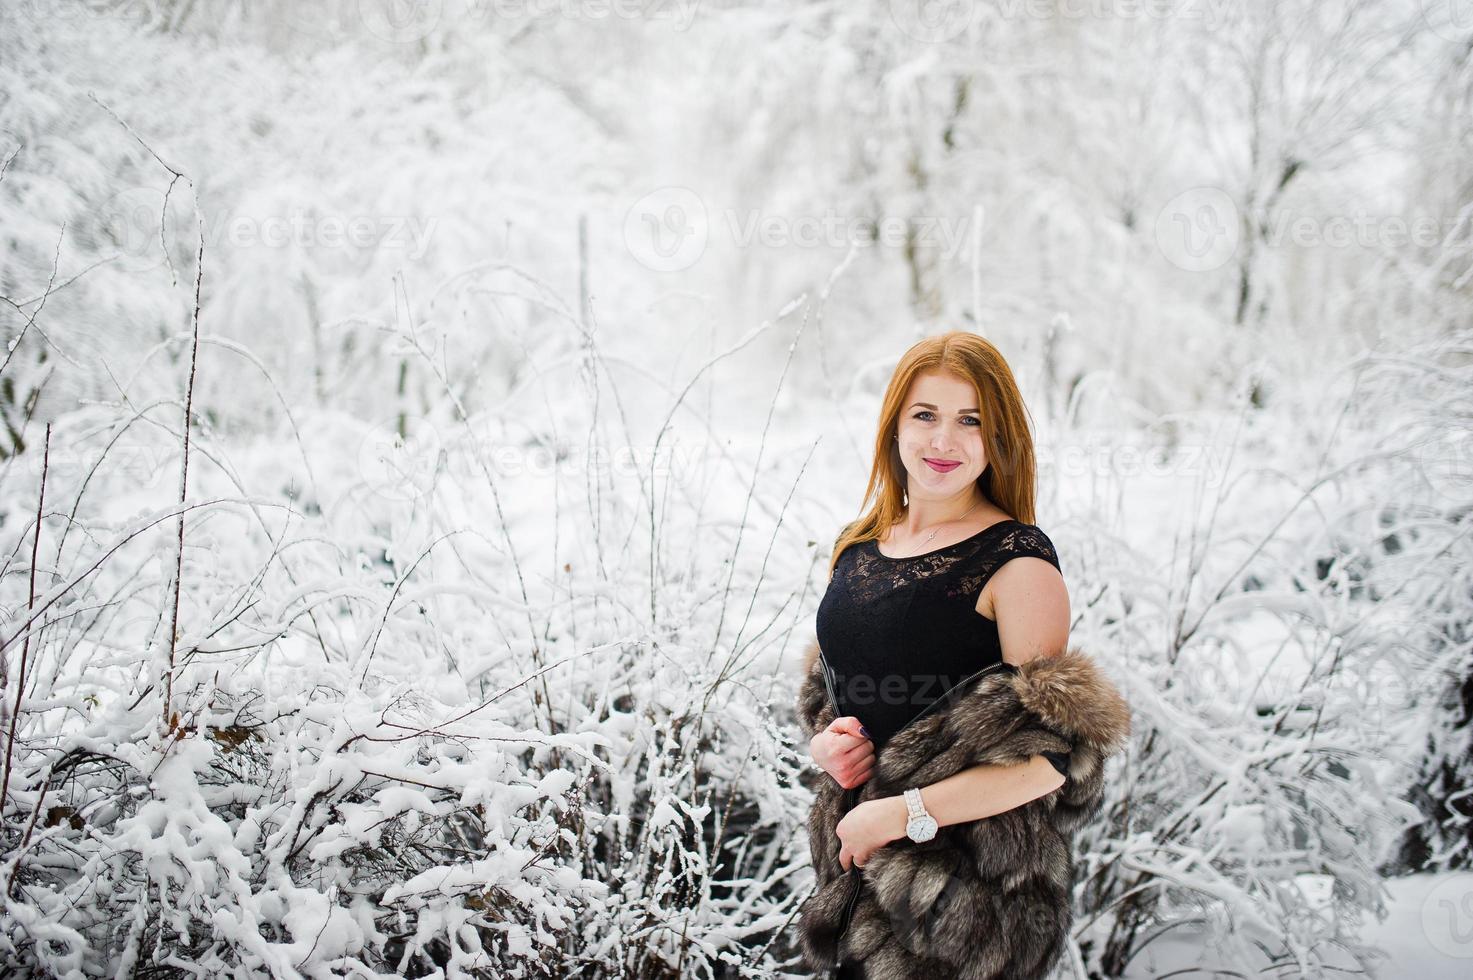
x: 988, y: 899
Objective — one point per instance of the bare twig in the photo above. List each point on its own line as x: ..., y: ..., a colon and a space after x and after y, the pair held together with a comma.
x: 199, y: 272
x: 25, y: 649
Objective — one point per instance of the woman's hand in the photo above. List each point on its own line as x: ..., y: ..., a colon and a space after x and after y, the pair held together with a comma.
x: 844, y: 751
x: 868, y: 827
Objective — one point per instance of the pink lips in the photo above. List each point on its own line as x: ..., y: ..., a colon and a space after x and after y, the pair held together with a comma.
x: 943, y: 466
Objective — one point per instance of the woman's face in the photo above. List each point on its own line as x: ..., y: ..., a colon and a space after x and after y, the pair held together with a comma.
x: 940, y: 436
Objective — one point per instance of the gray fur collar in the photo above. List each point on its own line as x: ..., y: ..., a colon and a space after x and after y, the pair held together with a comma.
x: 984, y: 900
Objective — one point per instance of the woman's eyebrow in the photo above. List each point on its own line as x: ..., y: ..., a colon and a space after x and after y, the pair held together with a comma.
x: 962, y: 411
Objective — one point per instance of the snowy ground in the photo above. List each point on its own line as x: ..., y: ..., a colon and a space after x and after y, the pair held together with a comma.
x: 1427, y: 935
x: 1224, y: 484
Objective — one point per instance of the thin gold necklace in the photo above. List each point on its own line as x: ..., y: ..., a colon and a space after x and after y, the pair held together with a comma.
x: 952, y: 521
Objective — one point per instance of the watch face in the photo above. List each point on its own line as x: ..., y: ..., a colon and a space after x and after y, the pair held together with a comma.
x: 921, y: 829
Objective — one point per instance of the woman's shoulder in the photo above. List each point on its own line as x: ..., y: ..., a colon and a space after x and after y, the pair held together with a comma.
x: 1018, y: 539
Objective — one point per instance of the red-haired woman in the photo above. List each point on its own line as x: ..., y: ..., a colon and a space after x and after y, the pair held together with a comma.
x: 964, y: 744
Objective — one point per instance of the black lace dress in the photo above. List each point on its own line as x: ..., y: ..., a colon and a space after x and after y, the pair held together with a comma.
x: 898, y: 632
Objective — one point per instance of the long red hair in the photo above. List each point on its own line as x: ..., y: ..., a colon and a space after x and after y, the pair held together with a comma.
x: 1009, y: 479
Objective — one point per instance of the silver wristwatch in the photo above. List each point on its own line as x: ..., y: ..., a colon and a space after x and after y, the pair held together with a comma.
x: 920, y: 826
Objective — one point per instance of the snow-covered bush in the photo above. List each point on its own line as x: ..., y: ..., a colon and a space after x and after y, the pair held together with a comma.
x: 469, y: 646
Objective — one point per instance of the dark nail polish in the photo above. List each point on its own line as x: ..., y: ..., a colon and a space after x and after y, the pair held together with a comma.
x: 864, y: 731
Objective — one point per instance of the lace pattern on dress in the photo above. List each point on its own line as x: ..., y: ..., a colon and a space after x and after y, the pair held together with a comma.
x: 1022, y: 541
x: 874, y: 576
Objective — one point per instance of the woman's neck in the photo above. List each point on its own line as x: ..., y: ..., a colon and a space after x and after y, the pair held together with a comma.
x: 922, y: 516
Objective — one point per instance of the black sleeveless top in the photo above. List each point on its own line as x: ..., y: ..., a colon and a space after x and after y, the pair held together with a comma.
x: 898, y: 632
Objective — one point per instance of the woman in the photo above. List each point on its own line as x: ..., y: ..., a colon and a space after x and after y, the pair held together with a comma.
x: 963, y: 743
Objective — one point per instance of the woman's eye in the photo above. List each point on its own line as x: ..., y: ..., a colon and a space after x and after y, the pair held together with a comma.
x: 923, y: 416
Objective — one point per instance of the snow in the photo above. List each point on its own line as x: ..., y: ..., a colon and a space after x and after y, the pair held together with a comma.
x: 1424, y: 935
x: 538, y: 368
